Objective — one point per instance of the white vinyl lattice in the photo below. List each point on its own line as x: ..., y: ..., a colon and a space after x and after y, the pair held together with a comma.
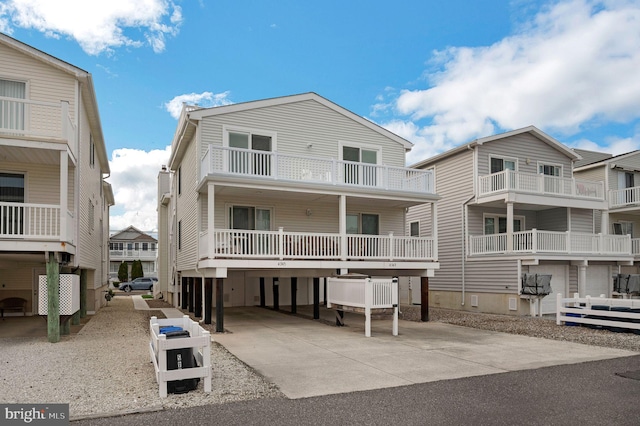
x: 69, y: 294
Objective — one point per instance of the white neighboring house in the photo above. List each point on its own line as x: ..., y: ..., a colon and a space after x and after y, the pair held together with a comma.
x: 621, y: 177
x: 129, y: 245
x: 53, y: 196
x: 269, y: 197
x: 512, y: 205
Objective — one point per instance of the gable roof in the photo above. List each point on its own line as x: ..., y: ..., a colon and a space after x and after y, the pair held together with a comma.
x: 86, y: 89
x: 611, y: 162
x: 532, y: 130
x: 589, y: 157
x: 131, y: 234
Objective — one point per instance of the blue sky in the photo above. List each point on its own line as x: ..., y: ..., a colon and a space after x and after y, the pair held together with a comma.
x: 437, y: 73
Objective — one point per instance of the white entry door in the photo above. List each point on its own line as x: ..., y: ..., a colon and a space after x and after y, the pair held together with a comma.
x: 599, y: 281
x: 558, y: 284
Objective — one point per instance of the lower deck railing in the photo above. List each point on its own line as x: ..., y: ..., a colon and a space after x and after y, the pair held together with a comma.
x: 235, y: 243
x: 536, y: 241
x: 33, y: 221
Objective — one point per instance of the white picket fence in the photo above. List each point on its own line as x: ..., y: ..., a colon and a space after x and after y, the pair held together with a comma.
x: 579, y: 310
x: 367, y: 294
x: 200, y: 341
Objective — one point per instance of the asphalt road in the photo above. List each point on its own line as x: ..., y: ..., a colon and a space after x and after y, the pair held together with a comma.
x: 591, y: 393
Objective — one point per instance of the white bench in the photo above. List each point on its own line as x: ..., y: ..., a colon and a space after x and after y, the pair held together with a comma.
x: 200, y: 341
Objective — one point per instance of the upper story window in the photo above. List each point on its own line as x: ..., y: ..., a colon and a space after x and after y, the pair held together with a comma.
x: 497, y: 224
x: 11, y: 112
x: 623, y: 228
x: 414, y: 229
x: 550, y: 169
x: 179, y: 180
x: 364, y: 173
x: 92, y: 151
x: 499, y: 164
x: 251, y: 163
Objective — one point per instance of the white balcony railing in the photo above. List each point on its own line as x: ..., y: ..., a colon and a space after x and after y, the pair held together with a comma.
x: 509, y: 180
x: 635, y: 246
x: 234, y: 243
x: 32, y: 221
x: 134, y: 254
x: 272, y: 165
x: 624, y: 197
x: 27, y: 118
x: 536, y: 241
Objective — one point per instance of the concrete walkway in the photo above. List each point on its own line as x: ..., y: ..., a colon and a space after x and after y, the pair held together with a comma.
x: 311, y: 358
x: 140, y: 304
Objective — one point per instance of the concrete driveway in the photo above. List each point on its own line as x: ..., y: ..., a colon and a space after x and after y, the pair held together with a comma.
x: 311, y: 358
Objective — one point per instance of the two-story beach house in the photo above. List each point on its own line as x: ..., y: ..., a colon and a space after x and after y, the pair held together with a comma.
x: 268, y: 197
x: 54, y: 201
x: 621, y: 177
x: 511, y: 208
x: 129, y: 245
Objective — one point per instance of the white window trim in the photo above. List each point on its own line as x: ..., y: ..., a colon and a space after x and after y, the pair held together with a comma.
x: 503, y: 158
x: 227, y: 211
x: 226, y: 129
x: 26, y: 181
x: 368, y: 147
x: 547, y: 163
x: 497, y: 216
x: 411, y: 223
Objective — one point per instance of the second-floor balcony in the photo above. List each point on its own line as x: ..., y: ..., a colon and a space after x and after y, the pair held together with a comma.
x: 35, y: 222
x: 285, y: 245
x: 539, y: 184
x: 626, y: 197
x: 28, y: 118
x: 549, y: 242
x: 324, y: 171
x: 132, y: 254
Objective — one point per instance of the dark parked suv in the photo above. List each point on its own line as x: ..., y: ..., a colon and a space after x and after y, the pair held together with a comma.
x: 141, y: 283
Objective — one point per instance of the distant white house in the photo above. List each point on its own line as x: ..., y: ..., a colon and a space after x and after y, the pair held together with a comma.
x: 269, y: 197
x: 129, y: 245
x: 512, y: 204
x: 54, y: 201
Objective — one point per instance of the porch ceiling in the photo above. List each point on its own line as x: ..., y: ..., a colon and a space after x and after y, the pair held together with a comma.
x: 13, y: 154
x: 301, y: 196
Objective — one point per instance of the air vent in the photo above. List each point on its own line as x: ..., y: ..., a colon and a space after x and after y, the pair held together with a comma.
x: 513, y: 304
x: 474, y: 300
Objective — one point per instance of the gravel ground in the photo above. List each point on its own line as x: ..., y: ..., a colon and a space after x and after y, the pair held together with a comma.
x: 104, y: 370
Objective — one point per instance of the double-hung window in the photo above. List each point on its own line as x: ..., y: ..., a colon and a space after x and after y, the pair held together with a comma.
x: 249, y: 151
x: 552, y: 181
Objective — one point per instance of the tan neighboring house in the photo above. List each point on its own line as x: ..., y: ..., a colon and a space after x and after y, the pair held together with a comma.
x: 268, y: 198
x: 53, y: 196
x: 621, y: 177
x: 129, y: 245
x: 511, y: 205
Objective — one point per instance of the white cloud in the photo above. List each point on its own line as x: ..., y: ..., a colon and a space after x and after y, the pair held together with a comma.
x: 98, y: 26
x: 134, y: 176
x: 576, y: 62
x: 204, y: 99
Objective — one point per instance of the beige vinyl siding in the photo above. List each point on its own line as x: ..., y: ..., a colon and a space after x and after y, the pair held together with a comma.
x: 44, y: 83
x: 292, y: 216
x: 522, y: 147
x: 187, y: 212
x: 454, y: 177
x: 594, y: 174
x: 582, y: 221
x: 321, y: 126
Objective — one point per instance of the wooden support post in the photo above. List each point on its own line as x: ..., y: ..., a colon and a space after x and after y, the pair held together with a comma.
x: 316, y: 298
x: 192, y: 294
x: 53, y: 298
x: 208, y: 299
x: 340, y: 318
x: 83, y: 293
x: 65, y: 325
x: 185, y: 294
x: 276, y: 294
x: 294, y: 295
x: 263, y: 303
x: 197, y: 305
x: 220, y: 305
x: 424, y: 299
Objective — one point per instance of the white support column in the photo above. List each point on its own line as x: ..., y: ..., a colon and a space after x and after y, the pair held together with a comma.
x: 509, y: 227
x: 604, y: 222
x: 211, y: 204
x: 342, y: 219
x: 582, y: 279
x: 64, y: 191
x: 434, y: 229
